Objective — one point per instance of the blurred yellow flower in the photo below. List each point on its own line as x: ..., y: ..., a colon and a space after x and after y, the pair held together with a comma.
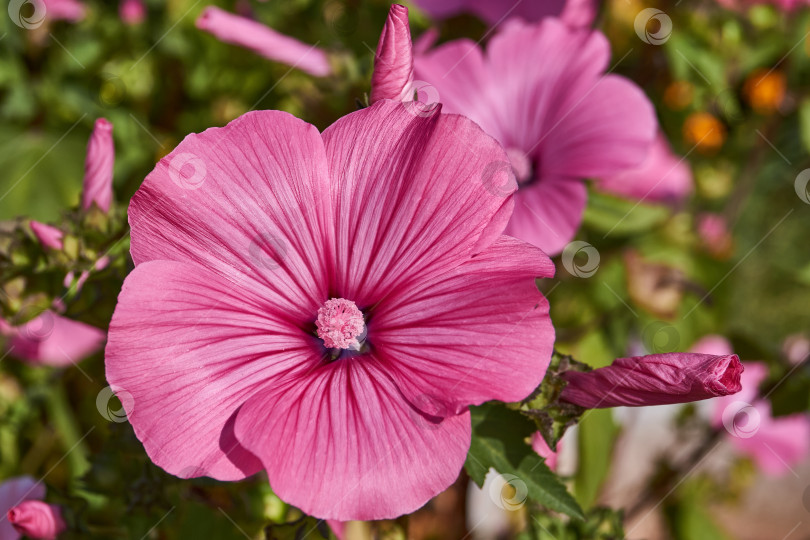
x: 704, y: 131
x: 678, y: 95
x: 765, y: 90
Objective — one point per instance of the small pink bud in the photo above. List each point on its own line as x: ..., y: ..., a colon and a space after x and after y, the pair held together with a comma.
x: 262, y: 40
x: 49, y: 237
x: 393, y: 62
x: 132, y: 11
x: 36, y: 519
x: 656, y: 379
x: 98, y: 167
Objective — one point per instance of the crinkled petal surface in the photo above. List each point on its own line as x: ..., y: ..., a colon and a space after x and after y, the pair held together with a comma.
x: 414, y: 196
x: 463, y: 338
x: 342, y: 443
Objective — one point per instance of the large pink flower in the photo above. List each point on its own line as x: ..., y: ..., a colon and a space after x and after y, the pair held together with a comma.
x: 576, y: 13
x: 541, y: 90
x: 326, y: 306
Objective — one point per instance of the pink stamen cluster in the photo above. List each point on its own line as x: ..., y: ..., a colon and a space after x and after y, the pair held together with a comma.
x: 339, y: 323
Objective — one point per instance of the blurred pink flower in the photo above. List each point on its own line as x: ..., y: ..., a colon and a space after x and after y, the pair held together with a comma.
x: 656, y: 379
x: 661, y: 177
x: 14, y: 491
x: 540, y: 446
x: 381, y: 222
x: 68, y: 10
x: 53, y: 340
x: 714, y: 234
x: 264, y: 41
x: 393, y: 61
x: 132, y: 11
x: 49, y: 237
x: 38, y: 520
x: 575, y: 13
x: 561, y: 119
x: 98, y: 167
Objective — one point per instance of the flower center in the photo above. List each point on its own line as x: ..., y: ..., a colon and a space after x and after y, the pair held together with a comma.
x: 521, y: 164
x: 340, y: 323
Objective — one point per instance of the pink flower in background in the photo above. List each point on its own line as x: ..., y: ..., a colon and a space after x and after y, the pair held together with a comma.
x: 656, y: 379
x: 264, y: 41
x: 98, y: 167
x: 53, y: 340
x: 38, y: 520
x: 132, y: 11
x: 68, y: 10
x: 393, y: 61
x: 541, y: 90
x: 661, y: 177
x: 775, y: 444
x: 272, y: 243
x: 13, y: 492
x: 575, y: 13
x: 540, y: 446
x: 49, y: 237
x: 714, y: 234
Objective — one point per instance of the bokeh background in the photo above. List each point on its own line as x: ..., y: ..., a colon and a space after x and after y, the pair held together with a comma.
x: 731, y: 87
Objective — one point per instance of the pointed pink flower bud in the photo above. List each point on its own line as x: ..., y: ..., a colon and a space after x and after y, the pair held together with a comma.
x: 36, y: 519
x: 393, y: 62
x: 262, y: 40
x: 49, y: 237
x: 655, y: 379
x: 98, y: 167
x: 132, y: 11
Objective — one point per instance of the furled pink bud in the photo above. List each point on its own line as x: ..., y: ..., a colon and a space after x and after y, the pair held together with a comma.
x: 393, y: 62
x: 132, y: 11
x: 49, y: 237
x: 262, y: 40
x: 98, y: 167
x: 656, y: 379
x: 36, y: 519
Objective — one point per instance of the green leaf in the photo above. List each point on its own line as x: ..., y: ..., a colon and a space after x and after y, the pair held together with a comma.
x: 804, y: 123
x: 596, y: 435
x: 617, y: 216
x: 499, y: 442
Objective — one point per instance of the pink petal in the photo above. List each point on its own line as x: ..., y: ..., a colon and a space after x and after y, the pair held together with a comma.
x: 413, y: 196
x: 132, y: 11
x: 662, y: 176
x: 540, y: 446
x: 656, y: 379
x: 341, y: 443
x: 579, y: 13
x: 264, y: 41
x: 779, y: 443
x: 480, y: 333
x: 249, y: 201
x: 14, y: 491
x: 49, y: 237
x: 548, y: 213
x: 38, y: 520
x: 189, y: 353
x: 69, y: 10
x: 338, y: 528
x: 393, y: 61
x: 98, y: 167
x: 494, y: 11
x: 752, y: 377
x: 52, y: 340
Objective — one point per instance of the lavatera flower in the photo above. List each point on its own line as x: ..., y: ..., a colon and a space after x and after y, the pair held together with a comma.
x: 327, y: 306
